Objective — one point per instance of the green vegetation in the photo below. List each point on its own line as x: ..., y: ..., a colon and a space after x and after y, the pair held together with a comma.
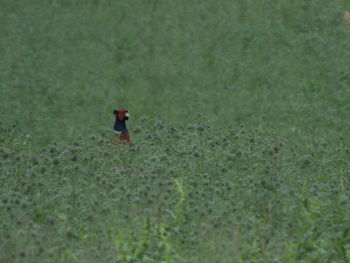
x: 239, y: 117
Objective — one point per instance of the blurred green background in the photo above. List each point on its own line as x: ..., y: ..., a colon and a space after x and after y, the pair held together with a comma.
x: 65, y: 65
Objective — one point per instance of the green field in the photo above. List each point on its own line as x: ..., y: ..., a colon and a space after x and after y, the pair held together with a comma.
x: 240, y: 121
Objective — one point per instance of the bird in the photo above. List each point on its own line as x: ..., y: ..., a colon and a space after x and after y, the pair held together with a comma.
x: 121, y: 116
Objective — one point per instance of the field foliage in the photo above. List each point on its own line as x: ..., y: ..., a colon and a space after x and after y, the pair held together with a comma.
x: 239, y: 121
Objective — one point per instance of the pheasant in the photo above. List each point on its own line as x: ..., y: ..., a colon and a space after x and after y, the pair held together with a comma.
x: 120, y: 125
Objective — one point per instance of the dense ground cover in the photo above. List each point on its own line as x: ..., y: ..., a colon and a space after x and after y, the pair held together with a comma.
x: 239, y: 117
x: 175, y: 196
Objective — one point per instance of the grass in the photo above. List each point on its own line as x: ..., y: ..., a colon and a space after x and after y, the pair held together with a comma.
x: 177, y: 197
x: 238, y: 116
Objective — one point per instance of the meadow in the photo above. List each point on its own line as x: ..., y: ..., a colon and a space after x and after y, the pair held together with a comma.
x: 239, y: 121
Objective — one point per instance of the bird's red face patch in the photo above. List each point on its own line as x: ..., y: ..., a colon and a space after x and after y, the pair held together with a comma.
x: 121, y: 114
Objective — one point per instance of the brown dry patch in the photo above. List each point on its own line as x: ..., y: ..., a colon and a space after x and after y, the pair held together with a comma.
x: 346, y: 18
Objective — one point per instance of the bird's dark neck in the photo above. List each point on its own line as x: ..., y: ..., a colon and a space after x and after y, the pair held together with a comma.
x: 120, y: 125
